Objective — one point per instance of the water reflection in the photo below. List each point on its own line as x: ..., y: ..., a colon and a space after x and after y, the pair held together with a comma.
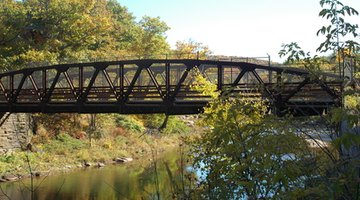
x: 136, y: 180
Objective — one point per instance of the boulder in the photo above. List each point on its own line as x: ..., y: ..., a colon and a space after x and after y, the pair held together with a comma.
x: 100, y: 164
x: 37, y: 174
x: 87, y: 164
x: 10, y: 177
x: 123, y: 160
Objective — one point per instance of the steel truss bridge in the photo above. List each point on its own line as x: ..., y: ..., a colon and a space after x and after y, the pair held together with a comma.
x: 162, y: 86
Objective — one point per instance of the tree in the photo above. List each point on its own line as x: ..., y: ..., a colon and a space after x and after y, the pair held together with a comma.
x: 339, y: 177
x: 338, y: 29
x: 191, y: 49
x: 123, y: 23
x: 245, y: 153
x: 44, y: 32
x: 52, y: 31
x: 150, y: 37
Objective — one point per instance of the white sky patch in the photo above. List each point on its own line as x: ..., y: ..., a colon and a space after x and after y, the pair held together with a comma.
x: 238, y: 27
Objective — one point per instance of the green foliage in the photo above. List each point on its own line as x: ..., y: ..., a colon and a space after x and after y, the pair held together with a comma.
x: 149, y: 37
x: 338, y: 178
x: 335, y: 12
x: 201, y: 84
x: 352, y: 101
x: 129, y: 123
x: 7, y: 158
x: 191, y: 49
x: 295, y: 55
x: 338, y: 30
x: 174, y: 124
x: 152, y: 121
x: 36, y: 32
x: 293, y: 52
x: 247, y: 154
x: 357, y: 75
x: 64, y: 144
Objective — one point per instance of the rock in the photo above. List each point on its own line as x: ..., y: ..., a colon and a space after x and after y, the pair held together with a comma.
x: 68, y: 167
x: 100, y: 164
x: 119, y: 160
x: 37, y: 174
x: 87, y: 164
x: 10, y: 177
x: 123, y: 160
x: 190, y: 123
x: 2, y: 180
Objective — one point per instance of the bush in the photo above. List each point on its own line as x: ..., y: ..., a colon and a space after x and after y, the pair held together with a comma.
x: 64, y: 144
x: 7, y: 158
x: 174, y: 124
x: 153, y: 121
x: 119, y: 131
x: 129, y: 123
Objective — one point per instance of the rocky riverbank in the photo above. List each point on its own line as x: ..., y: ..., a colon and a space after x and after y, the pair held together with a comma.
x: 71, y: 154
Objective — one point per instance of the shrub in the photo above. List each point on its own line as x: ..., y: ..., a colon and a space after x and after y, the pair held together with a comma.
x: 7, y: 158
x: 119, y: 131
x: 129, y: 123
x: 174, y: 124
x: 63, y: 144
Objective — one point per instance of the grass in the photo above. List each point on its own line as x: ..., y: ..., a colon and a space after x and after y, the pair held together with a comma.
x: 118, y: 136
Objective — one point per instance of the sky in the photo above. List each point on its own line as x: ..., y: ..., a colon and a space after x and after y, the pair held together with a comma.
x: 245, y: 28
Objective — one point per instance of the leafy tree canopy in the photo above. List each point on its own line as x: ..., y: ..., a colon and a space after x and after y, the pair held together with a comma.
x: 191, y: 49
x: 47, y: 32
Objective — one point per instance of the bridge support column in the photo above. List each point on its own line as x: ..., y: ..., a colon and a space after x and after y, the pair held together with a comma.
x: 15, y: 132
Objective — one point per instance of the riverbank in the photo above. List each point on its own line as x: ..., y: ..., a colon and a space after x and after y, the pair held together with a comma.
x: 63, y: 142
x: 65, y: 153
x: 139, y: 179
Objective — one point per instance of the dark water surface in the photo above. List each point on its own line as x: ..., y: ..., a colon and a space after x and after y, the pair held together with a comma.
x: 136, y: 180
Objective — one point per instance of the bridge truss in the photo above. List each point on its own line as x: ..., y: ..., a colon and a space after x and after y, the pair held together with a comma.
x: 161, y: 86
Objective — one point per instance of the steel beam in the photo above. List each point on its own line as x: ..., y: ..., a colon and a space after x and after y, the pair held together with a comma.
x: 298, y: 88
x: 267, y: 91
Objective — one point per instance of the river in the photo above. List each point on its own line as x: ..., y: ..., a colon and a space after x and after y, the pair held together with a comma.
x: 134, y: 180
